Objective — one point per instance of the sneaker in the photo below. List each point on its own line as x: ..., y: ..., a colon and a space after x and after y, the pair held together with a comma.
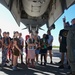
x: 7, y: 61
x: 51, y: 62
x: 14, y: 68
x: 69, y: 67
x: 32, y: 66
x: 61, y: 66
x: 36, y: 63
x: 22, y: 63
x: 28, y: 64
x: 59, y: 62
x: 4, y: 65
x: 44, y: 64
x: 41, y: 63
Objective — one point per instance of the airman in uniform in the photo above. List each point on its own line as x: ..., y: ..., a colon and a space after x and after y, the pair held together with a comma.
x: 71, y: 44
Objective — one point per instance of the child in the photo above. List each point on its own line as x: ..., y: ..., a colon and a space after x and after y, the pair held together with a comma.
x: 43, y: 48
x: 16, y: 52
x: 31, y: 50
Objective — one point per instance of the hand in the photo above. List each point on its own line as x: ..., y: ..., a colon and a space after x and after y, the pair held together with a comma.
x: 64, y: 19
x: 21, y: 52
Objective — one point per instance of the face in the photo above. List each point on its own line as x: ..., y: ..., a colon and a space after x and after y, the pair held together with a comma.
x: 7, y: 34
x: 31, y: 35
x: 16, y: 34
x: 48, y: 32
x: 20, y: 34
x: 35, y: 37
x: 4, y: 34
x: 15, y: 42
x: 44, y: 35
x: 73, y: 21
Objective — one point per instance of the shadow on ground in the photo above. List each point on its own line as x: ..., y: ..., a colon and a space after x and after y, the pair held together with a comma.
x: 49, y: 69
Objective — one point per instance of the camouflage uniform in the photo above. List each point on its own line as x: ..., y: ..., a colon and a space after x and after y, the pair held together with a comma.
x: 71, y: 46
x: 4, y: 56
x: 4, y: 51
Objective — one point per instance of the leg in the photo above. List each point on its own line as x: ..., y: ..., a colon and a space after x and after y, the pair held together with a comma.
x: 41, y: 58
x: 62, y: 58
x: 50, y: 54
x: 4, y: 56
x: 32, y: 62
x: 26, y: 59
x: 62, y: 61
x: 44, y: 59
x: 36, y: 57
x: 71, y: 59
x: 21, y: 59
x: 15, y: 62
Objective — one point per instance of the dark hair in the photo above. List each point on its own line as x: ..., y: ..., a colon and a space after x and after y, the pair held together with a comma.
x: 73, y: 19
x: 7, y: 32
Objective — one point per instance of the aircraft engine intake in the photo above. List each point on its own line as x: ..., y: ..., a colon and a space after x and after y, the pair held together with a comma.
x: 35, y: 8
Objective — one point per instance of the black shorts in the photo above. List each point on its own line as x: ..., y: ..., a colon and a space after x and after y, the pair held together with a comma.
x: 63, y: 48
x: 49, y: 48
x: 43, y: 51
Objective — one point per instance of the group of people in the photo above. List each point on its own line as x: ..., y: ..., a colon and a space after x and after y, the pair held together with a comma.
x: 34, y: 45
x: 12, y: 48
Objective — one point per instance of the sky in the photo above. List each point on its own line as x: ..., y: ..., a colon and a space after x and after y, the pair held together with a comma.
x: 7, y: 23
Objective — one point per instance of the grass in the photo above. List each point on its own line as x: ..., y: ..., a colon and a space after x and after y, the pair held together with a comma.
x: 55, y: 46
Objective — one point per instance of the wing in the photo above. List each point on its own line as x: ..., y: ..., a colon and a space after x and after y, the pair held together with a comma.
x: 58, y: 8
x: 13, y: 7
x: 5, y: 3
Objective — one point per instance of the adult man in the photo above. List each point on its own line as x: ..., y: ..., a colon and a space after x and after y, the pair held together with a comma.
x: 5, y: 43
x: 50, y: 40
x: 62, y: 40
x: 71, y: 45
x: 22, y: 45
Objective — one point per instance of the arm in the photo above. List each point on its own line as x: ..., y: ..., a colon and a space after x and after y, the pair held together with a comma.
x: 67, y: 26
x: 23, y: 42
x: 17, y: 47
x: 60, y: 39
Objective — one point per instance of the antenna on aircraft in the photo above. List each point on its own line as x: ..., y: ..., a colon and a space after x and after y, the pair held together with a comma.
x: 51, y: 27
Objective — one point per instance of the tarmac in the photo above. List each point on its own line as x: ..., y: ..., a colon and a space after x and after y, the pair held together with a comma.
x: 49, y: 69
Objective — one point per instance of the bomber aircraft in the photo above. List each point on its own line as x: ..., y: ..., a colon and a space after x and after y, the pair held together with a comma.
x: 35, y: 13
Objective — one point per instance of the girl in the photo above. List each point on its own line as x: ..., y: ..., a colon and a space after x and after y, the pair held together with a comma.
x: 31, y: 50
x: 43, y: 48
x: 16, y: 52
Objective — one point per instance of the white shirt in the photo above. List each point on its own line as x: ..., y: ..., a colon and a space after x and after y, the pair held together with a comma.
x: 21, y: 40
x: 50, y: 39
